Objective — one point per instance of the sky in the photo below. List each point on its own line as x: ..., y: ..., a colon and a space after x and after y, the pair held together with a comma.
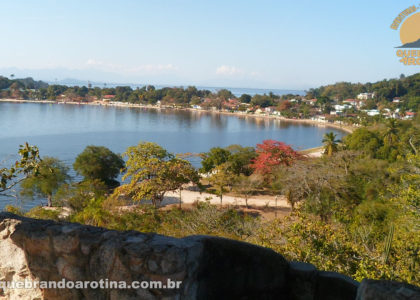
x: 251, y: 44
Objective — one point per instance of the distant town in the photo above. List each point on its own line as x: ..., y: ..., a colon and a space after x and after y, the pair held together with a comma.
x: 341, y: 103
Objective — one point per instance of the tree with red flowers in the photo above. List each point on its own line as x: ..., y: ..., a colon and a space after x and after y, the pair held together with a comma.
x: 271, y: 154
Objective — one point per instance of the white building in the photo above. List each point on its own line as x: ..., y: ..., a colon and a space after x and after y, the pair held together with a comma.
x: 339, y: 107
x: 372, y: 112
x: 365, y: 96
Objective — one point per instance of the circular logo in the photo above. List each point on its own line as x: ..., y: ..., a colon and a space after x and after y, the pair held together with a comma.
x: 410, y: 32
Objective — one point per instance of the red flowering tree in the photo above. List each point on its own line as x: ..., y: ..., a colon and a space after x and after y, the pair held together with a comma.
x: 271, y: 154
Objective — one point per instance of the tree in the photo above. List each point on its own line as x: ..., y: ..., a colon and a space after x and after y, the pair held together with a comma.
x: 183, y: 173
x: 153, y: 171
x: 271, y: 154
x: 77, y: 195
x: 406, y: 194
x: 27, y: 166
x: 97, y: 162
x: 221, y: 179
x: 318, y: 182
x: 225, y: 94
x: 262, y: 100
x: 215, y: 157
x: 391, y: 132
x: 330, y: 143
x: 245, y: 98
x: 363, y: 140
x: 247, y: 185
x: 240, y: 159
x: 323, y: 100
x: 51, y: 174
x: 285, y: 105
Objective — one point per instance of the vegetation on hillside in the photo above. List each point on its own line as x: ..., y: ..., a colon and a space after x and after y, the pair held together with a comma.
x: 404, y: 87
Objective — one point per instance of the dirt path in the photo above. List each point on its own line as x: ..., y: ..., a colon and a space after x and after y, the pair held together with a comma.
x: 190, y: 197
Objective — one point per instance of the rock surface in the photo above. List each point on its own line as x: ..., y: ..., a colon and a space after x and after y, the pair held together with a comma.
x: 383, y: 290
x: 206, y: 267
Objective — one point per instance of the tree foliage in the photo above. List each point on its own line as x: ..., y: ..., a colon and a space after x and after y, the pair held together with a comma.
x: 330, y: 143
x: 221, y: 179
x: 77, y: 195
x: 97, y: 162
x: 272, y: 154
x: 237, y: 157
x: 389, y: 141
x: 215, y: 157
x: 152, y: 172
x: 27, y: 166
x: 51, y: 174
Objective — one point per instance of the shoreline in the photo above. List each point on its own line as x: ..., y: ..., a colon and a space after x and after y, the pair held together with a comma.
x: 345, y: 128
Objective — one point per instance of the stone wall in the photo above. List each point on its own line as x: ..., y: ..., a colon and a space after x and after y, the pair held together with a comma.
x: 209, y: 267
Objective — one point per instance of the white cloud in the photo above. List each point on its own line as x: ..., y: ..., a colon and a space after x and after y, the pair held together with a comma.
x: 93, y: 62
x: 228, y: 70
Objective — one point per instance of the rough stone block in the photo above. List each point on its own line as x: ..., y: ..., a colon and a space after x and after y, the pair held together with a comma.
x: 386, y: 290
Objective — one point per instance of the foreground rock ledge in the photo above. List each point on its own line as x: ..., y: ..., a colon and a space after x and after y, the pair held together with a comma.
x: 209, y: 267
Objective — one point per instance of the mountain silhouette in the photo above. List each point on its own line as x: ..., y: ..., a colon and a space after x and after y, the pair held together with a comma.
x: 415, y: 44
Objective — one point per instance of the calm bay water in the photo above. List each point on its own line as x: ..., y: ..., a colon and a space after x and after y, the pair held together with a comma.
x: 63, y: 131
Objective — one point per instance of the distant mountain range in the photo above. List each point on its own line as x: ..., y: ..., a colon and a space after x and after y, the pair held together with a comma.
x: 415, y: 44
x: 235, y: 90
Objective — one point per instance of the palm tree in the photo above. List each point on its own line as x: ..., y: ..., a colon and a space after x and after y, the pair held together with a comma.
x: 330, y: 143
x: 391, y: 132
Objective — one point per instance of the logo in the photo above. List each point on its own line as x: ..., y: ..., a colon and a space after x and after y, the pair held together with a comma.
x: 409, y: 19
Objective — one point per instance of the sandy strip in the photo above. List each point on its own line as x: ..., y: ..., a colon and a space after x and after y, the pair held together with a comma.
x: 192, y: 197
x: 317, y: 153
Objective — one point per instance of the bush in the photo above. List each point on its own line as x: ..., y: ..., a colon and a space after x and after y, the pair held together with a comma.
x: 39, y: 212
x: 14, y: 210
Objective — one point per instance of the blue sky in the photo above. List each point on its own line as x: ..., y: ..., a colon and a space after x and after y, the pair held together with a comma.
x: 255, y: 44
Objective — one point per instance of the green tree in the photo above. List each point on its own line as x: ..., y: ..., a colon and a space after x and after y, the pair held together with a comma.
x: 225, y: 94
x: 221, y: 179
x: 330, y: 143
x: 77, y: 195
x: 391, y: 132
x: 240, y: 159
x: 262, y: 100
x: 364, y: 140
x: 215, y: 157
x: 245, y: 98
x: 183, y: 173
x: 51, y: 174
x: 98, y: 162
x: 153, y: 171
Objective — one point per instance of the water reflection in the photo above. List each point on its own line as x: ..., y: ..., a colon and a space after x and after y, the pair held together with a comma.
x: 63, y: 130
